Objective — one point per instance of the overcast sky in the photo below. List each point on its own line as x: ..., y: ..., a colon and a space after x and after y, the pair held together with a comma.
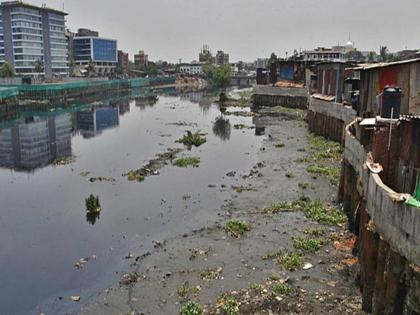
x: 247, y: 29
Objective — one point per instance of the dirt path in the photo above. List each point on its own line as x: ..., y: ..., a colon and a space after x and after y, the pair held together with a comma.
x: 287, y: 263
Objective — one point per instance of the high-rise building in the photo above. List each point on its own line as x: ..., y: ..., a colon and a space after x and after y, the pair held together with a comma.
x: 141, y: 59
x: 33, y: 39
x: 90, y: 49
x: 123, y: 61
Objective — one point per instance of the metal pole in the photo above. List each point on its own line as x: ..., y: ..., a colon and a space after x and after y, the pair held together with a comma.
x: 390, y: 128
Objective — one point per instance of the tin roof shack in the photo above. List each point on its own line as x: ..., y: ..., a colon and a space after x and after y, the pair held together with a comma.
x: 330, y: 80
x: 395, y: 145
x: 290, y: 70
x: 262, y: 76
x: 375, y: 77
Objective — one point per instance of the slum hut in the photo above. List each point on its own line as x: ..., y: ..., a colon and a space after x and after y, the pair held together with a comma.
x: 290, y: 70
x: 330, y: 80
x: 375, y: 79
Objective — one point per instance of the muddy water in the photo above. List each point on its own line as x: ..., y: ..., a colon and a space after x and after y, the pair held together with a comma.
x: 43, y: 226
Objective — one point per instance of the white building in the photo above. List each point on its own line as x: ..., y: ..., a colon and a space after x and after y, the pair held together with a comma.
x: 191, y: 68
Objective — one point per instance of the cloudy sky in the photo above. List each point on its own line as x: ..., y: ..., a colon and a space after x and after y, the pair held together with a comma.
x: 247, y: 29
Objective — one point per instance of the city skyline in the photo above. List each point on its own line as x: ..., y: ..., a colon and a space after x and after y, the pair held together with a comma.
x: 246, y: 34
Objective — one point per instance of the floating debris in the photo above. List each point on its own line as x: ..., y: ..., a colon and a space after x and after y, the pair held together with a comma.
x: 102, y: 179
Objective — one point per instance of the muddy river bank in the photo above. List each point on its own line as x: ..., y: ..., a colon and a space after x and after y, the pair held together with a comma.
x: 283, y: 260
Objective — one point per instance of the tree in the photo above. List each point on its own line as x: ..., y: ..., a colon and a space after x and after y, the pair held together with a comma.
x: 371, y: 57
x: 218, y: 77
x: 90, y: 67
x: 6, y: 70
x: 240, y: 65
x: 273, y: 59
x: 39, y: 66
x: 383, y: 52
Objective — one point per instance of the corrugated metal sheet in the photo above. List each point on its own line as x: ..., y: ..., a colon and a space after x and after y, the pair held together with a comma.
x: 370, y: 66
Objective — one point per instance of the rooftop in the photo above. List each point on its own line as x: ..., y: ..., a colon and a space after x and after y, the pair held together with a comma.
x: 370, y: 66
x: 30, y: 6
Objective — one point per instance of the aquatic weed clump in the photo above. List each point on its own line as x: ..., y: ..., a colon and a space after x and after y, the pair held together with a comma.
x: 135, y: 175
x: 313, y: 209
x: 191, y: 308
x: 237, y: 228
x: 92, y: 204
x: 187, y: 161
x: 310, y: 245
x: 192, y: 139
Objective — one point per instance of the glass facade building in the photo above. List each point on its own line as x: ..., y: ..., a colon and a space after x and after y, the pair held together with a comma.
x: 32, y: 39
x: 101, y: 51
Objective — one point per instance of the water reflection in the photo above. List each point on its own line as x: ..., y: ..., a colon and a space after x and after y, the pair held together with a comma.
x: 144, y: 102
x: 92, y: 217
x: 93, y: 121
x: 222, y: 128
x: 36, y: 141
x: 39, y: 138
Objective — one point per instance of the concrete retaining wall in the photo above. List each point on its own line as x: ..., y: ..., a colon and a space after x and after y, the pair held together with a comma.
x: 286, y: 97
x: 329, y: 119
x: 388, y: 233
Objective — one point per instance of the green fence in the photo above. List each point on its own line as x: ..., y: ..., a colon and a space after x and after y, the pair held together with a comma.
x: 82, y: 88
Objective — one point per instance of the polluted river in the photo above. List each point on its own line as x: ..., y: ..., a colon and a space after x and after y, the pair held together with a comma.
x: 215, y: 232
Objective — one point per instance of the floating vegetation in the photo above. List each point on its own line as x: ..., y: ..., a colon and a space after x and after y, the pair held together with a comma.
x: 191, y: 308
x: 153, y: 167
x: 64, y: 160
x: 239, y: 126
x: 187, y: 161
x: 92, y: 204
x: 192, y: 139
x: 93, y: 209
x: 135, y: 175
x: 237, y: 228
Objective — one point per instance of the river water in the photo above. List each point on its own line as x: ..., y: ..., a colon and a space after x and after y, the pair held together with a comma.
x: 44, y: 230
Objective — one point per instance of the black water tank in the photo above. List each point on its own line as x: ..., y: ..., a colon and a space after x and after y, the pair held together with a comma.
x: 391, y: 99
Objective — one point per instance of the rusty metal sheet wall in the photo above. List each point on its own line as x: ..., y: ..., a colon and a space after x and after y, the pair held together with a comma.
x: 414, y: 97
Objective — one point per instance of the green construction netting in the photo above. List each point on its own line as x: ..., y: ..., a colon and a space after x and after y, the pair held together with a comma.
x: 111, y: 84
x: 8, y: 92
x: 414, y: 201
